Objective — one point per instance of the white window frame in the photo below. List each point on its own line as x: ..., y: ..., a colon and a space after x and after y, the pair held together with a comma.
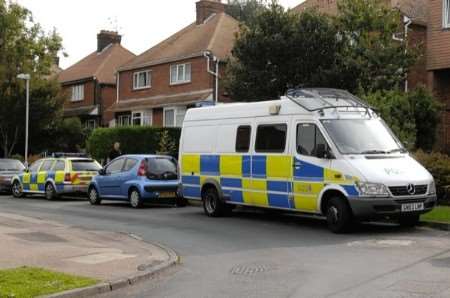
x: 145, y: 119
x: 174, y: 116
x: 446, y: 14
x: 184, y: 80
x: 77, y: 93
x: 120, y: 120
x: 136, y: 80
x: 89, y: 122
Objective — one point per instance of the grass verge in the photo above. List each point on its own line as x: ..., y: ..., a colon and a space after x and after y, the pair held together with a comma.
x: 33, y: 282
x: 438, y: 214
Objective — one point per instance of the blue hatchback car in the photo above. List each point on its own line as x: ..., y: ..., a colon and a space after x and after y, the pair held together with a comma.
x: 137, y: 179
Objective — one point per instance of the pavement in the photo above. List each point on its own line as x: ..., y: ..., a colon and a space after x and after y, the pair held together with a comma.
x: 254, y: 253
x: 115, y: 259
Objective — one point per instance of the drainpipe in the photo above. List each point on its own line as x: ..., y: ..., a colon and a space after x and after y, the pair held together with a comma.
x: 209, y: 55
x: 117, y: 86
x: 407, y: 21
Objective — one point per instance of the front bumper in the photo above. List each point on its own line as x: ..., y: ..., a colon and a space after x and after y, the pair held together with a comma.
x: 376, y: 208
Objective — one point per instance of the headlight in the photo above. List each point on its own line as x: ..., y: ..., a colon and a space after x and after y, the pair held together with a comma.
x: 372, y: 189
x: 432, y: 189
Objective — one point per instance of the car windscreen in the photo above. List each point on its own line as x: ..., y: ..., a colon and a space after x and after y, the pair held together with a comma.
x: 85, y: 165
x: 362, y: 136
x: 11, y: 165
x: 161, y: 168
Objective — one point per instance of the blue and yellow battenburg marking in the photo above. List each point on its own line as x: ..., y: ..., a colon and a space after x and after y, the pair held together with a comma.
x: 262, y: 180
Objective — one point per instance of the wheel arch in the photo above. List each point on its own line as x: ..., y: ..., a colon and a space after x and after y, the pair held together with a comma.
x: 212, y: 183
x: 329, y: 193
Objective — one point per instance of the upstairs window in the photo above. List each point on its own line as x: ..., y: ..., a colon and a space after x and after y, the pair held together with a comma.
x: 180, y: 73
x: 446, y: 14
x: 142, y: 80
x: 77, y: 93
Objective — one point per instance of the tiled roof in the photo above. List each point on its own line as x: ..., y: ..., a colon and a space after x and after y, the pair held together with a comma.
x: 216, y: 34
x: 162, y: 100
x: 101, y: 65
x: 85, y: 110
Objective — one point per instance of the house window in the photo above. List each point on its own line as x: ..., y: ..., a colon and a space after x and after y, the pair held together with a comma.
x: 446, y: 14
x: 180, y: 73
x: 169, y: 117
x: 77, y: 93
x: 141, y: 118
x: 91, y: 124
x: 124, y: 120
x: 142, y: 80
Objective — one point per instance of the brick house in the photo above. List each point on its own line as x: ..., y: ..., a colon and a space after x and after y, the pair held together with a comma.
x: 90, y: 84
x: 438, y: 59
x: 414, y: 17
x: 158, y: 86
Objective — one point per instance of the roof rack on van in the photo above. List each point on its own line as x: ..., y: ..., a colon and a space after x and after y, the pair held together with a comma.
x: 319, y: 99
x: 64, y: 154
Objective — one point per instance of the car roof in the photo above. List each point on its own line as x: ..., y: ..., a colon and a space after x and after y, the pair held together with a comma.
x: 140, y: 156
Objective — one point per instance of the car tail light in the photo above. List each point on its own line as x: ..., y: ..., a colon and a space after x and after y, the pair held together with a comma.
x: 142, y: 171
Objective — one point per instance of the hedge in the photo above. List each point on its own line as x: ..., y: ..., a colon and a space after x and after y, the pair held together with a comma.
x: 438, y: 165
x: 133, y: 140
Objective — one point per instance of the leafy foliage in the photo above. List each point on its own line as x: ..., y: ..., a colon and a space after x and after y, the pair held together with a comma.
x: 281, y: 49
x: 26, y: 48
x: 246, y: 11
x: 438, y: 165
x: 166, y: 144
x: 133, y: 140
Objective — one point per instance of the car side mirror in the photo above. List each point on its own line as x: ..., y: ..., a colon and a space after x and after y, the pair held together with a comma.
x: 323, y: 152
x: 102, y: 172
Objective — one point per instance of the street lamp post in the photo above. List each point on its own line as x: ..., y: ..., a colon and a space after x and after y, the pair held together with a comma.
x: 26, y: 77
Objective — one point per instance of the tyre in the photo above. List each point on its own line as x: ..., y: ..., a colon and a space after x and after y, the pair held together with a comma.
x: 17, y: 189
x: 181, y: 202
x: 135, y: 198
x: 409, y: 221
x: 50, y: 192
x: 339, y: 215
x: 93, y: 196
x: 212, y: 204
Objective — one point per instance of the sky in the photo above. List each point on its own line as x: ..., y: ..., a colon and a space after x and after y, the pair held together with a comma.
x: 142, y: 23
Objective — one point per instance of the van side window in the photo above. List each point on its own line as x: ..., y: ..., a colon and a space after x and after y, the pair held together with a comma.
x: 243, y: 138
x: 271, y: 138
x: 310, y: 140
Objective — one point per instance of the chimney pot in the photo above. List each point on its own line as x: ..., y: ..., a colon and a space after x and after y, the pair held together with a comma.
x: 105, y: 38
x: 206, y: 8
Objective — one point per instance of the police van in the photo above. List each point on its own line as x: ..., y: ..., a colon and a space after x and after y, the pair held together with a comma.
x: 317, y: 151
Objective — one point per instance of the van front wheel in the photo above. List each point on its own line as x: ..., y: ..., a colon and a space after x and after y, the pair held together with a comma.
x: 338, y: 215
x: 212, y: 204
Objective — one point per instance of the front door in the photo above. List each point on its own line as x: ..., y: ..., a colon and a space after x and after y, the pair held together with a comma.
x: 311, y: 166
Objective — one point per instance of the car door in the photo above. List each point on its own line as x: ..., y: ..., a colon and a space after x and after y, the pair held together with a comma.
x: 109, y: 183
x: 311, y: 166
x: 44, y: 173
x: 29, y: 179
x: 271, y: 166
x: 128, y: 174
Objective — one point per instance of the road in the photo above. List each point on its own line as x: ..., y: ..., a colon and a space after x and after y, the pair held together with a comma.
x: 259, y: 254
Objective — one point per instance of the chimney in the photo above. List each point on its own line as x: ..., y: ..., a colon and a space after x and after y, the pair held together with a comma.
x: 206, y: 8
x: 105, y: 38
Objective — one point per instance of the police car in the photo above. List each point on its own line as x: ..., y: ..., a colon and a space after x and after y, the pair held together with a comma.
x: 61, y: 174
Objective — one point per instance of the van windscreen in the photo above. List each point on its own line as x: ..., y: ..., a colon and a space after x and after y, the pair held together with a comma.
x: 362, y: 136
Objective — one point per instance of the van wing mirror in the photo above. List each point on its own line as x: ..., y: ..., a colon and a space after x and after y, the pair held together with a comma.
x: 323, y: 151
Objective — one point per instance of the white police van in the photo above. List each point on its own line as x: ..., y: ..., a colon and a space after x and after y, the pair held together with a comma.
x: 317, y: 151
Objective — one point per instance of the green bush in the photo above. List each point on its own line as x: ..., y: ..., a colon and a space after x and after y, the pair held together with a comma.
x: 438, y: 165
x: 133, y: 140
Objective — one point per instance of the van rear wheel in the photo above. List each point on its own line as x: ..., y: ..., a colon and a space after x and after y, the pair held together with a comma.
x: 339, y: 215
x: 212, y: 204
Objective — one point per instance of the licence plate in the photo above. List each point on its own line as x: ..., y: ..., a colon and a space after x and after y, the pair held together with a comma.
x: 411, y: 207
x: 167, y: 194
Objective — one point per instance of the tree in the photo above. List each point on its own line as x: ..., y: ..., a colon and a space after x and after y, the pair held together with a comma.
x: 279, y: 50
x: 246, y: 11
x: 371, y: 59
x: 25, y: 48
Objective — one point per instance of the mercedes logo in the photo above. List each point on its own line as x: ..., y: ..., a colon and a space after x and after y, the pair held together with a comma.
x: 411, y: 189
